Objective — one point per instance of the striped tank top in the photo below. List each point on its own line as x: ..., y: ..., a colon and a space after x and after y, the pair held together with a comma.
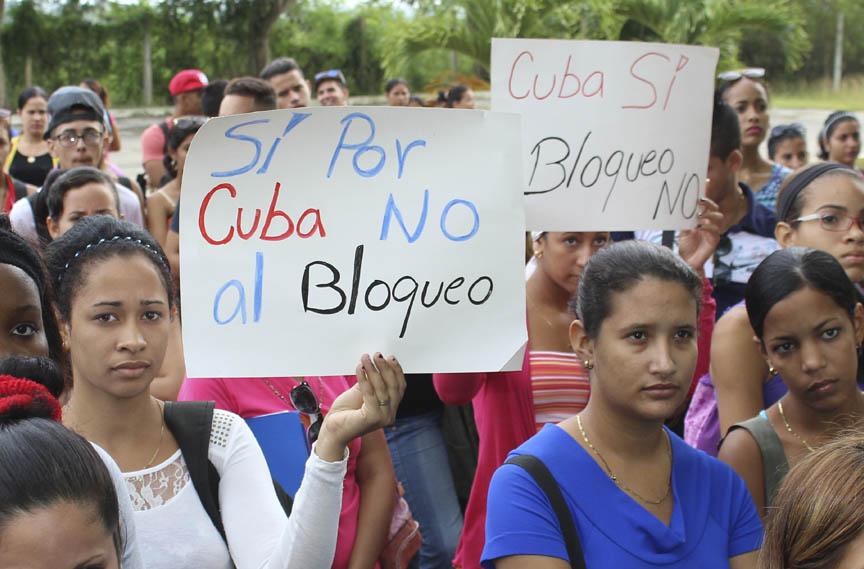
x: 559, y: 383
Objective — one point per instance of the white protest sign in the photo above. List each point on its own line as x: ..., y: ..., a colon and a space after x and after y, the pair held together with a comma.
x: 615, y: 134
x: 311, y: 237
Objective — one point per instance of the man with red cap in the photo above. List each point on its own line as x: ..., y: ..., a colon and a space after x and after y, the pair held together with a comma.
x: 186, y: 88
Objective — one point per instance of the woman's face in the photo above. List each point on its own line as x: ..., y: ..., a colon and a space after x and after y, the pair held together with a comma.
x: 812, y: 343
x: 645, y: 351
x: 792, y: 153
x: 841, y: 195
x: 398, y: 96
x: 179, y: 155
x: 563, y: 255
x: 93, y: 198
x: 119, y: 325
x: 466, y: 102
x: 23, y: 332
x: 750, y: 101
x: 34, y: 116
x: 60, y: 536
x: 845, y: 142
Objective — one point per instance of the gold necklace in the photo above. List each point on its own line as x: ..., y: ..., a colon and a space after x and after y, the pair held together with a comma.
x: 614, y: 478
x: 161, y: 434
x: 788, y: 428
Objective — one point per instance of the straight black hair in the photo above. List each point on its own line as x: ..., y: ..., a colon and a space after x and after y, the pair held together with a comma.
x: 43, y: 463
x: 789, y: 270
x: 29, y: 93
x: 618, y: 268
x: 71, y: 179
x: 834, y: 120
x: 725, y: 128
x: 455, y: 94
x: 393, y: 82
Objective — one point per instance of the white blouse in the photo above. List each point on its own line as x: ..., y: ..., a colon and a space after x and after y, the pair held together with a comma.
x: 175, y: 532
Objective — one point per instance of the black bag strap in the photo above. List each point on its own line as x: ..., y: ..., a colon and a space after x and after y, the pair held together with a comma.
x: 20, y: 189
x: 190, y: 423
x: 544, y: 479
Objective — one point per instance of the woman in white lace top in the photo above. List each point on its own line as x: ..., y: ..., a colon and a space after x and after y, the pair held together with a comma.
x: 114, y: 297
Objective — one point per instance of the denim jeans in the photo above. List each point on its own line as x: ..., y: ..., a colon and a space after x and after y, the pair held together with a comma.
x: 421, y: 465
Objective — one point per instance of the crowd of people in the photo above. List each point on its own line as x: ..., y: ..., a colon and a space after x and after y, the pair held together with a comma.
x: 691, y: 404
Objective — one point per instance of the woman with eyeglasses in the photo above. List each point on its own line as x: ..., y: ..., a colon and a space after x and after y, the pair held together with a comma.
x: 787, y: 145
x: 820, y: 206
x: 29, y: 159
x: 743, y: 91
x: 840, y: 138
x: 114, y: 298
x: 368, y: 489
x: 162, y: 203
x: 809, y: 324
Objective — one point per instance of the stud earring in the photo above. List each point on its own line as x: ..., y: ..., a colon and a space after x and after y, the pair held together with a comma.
x: 539, y: 254
x: 771, y: 371
x: 588, y: 364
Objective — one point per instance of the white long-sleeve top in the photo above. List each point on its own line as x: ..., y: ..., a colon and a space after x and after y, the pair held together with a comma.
x: 175, y: 532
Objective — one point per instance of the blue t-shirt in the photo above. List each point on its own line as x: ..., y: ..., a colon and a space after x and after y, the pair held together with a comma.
x: 714, y: 517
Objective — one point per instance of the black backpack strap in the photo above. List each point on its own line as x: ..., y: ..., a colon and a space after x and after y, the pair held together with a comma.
x: 544, y: 479
x: 20, y: 189
x: 190, y: 423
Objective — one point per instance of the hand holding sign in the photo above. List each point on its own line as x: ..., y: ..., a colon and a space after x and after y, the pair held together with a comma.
x: 313, y: 236
x: 370, y: 404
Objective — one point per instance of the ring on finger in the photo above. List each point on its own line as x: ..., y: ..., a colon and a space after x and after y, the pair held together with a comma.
x: 384, y: 402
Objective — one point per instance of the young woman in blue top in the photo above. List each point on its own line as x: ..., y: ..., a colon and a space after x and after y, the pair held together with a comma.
x: 807, y: 316
x: 639, y: 496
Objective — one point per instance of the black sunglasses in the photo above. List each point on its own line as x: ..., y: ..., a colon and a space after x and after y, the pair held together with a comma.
x: 304, y: 400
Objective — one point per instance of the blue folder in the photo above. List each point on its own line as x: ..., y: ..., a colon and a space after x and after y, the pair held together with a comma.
x: 282, y: 437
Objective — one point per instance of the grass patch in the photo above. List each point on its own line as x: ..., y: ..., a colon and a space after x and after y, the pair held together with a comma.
x: 819, y: 95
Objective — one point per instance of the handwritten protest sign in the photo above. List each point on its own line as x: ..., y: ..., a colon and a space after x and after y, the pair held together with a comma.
x: 308, y: 238
x: 615, y: 134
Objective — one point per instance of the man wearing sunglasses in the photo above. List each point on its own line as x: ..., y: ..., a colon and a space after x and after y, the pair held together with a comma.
x: 331, y: 88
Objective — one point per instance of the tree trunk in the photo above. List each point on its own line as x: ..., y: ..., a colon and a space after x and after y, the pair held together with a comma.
x: 28, y: 70
x: 838, y: 53
x: 2, y: 70
x: 262, y: 16
x: 147, y: 79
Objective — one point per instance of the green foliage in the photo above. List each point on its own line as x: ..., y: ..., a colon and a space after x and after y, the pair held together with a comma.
x: 374, y: 40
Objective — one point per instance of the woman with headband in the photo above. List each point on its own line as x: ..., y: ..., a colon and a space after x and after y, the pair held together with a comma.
x: 840, y: 138
x: 817, y: 207
x: 809, y: 323
x: 553, y: 385
x: 743, y: 91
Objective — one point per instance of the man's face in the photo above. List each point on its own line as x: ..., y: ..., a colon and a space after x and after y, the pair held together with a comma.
x: 79, y: 143
x: 189, y: 103
x: 236, y: 105
x: 292, y: 91
x: 332, y: 93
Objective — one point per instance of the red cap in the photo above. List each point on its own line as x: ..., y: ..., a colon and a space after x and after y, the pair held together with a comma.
x: 187, y: 80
